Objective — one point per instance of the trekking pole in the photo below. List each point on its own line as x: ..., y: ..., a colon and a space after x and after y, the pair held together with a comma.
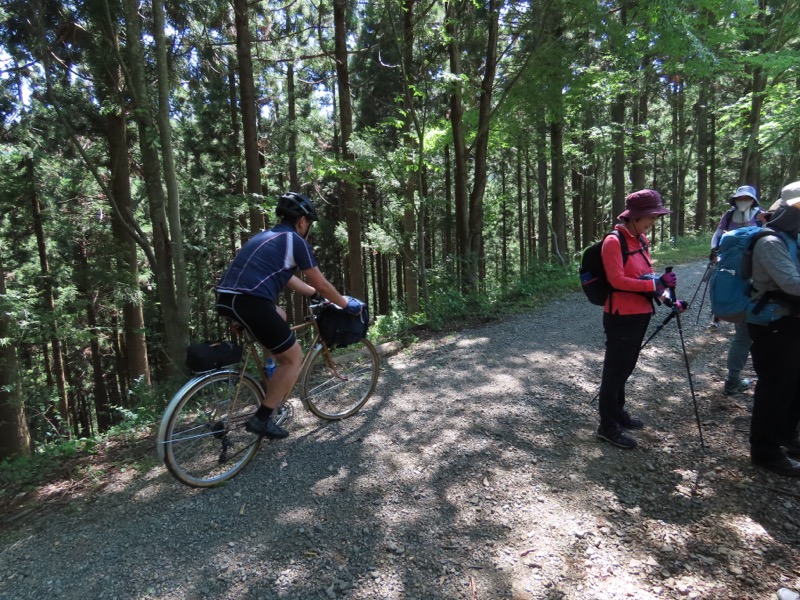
x: 704, y: 280
x: 669, y: 317
x: 702, y: 302
x: 689, y: 375
x: 676, y: 310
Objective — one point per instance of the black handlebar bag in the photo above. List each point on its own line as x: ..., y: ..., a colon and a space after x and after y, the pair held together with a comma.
x: 340, y: 329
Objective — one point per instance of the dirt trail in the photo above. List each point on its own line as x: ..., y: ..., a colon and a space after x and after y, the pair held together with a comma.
x: 473, y: 473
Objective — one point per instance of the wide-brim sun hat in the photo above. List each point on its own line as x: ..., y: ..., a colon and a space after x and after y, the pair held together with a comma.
x: 745, y: 191
x: 786, y: 217
x: 790, y: 195
x: 643, y: 203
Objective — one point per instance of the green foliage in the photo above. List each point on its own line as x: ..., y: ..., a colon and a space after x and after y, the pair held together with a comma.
x: 28, y: 470
x: 448, y: 305
x: 145, y: 404
x: 71, y: 447
x: 340, y: 233
x: 380, y: 239
x: 543, y: 282
x: 396, y: 325
x: 683, y: 250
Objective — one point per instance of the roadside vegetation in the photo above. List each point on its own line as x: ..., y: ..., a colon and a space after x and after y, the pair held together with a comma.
x: 128, y: 445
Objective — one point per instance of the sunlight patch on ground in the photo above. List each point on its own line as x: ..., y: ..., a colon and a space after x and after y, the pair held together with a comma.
x: 506, y: 382
x: 470, y: 343
x: 153, y: 491
x: 748, y: 529
x: 154, y: 473
x: 688, y: 486
x: 336, y: 483
x: 543, y: 357
x: 122, y: 478
x: 300, y: 515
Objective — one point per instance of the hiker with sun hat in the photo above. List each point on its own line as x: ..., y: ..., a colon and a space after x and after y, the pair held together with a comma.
x: 773, y: 321
x: 744, y: 212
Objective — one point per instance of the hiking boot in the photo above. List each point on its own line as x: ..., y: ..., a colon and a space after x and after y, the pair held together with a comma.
x: 268, y: 429
x: 629, y: 422
x: 782, y: 465
x: 616, y: 437
x: 735, y: 386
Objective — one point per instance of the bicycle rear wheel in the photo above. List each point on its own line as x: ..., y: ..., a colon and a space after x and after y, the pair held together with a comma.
x: 202, y: 439
x: 338, y: 383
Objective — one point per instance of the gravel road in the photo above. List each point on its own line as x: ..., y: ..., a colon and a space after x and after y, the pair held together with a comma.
x: 472, y: 473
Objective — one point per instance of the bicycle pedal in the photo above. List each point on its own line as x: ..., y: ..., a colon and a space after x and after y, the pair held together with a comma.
x: 284, y: 414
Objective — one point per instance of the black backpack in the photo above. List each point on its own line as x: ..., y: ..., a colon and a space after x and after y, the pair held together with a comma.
x: 340, y: 329
x: 592, y: 273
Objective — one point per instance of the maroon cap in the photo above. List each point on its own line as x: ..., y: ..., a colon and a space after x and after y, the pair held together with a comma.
x: 644, y: 203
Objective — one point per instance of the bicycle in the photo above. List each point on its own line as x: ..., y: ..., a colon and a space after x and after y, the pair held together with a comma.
x: 202, y: 438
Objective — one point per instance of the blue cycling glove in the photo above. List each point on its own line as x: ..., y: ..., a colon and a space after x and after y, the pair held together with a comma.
x: 353, y: 307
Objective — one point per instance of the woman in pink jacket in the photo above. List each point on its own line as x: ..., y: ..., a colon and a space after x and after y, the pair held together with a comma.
x: 628, y: 309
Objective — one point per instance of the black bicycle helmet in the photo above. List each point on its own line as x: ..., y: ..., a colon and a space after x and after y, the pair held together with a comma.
x: 294, y: 205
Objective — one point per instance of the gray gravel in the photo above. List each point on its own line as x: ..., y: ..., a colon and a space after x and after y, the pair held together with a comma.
x: 472, y: 473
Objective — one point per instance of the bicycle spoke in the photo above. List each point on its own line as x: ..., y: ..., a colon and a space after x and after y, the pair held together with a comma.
x: 339, y: 382
x: 206, y: 441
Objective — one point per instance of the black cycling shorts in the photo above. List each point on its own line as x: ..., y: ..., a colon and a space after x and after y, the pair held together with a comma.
x: 260, y: 318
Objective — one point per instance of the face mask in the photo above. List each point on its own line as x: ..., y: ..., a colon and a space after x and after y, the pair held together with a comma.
x: 743, y: 205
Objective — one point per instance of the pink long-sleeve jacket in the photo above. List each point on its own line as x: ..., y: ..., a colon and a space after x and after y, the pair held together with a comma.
x: 628, y: 296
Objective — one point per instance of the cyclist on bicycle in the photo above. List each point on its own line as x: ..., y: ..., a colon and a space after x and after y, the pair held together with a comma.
x: 249, y: 288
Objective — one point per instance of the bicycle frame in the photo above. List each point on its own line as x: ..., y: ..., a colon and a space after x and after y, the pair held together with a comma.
x: 253, y: 350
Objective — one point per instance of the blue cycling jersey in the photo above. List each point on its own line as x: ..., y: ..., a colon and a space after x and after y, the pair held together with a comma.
x: 266, y: 262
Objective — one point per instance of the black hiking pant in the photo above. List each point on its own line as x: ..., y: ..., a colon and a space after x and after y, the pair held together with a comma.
x: 776, y: 401
x: 624, y: 337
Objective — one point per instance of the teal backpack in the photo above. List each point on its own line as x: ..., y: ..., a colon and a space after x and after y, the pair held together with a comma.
x: 730, y: 286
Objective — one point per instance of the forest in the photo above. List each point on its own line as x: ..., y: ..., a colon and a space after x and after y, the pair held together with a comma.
x: 457, y: 151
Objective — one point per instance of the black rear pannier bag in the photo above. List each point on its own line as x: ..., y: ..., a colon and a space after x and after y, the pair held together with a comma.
x: 340, y: 329
x: 206, y: 356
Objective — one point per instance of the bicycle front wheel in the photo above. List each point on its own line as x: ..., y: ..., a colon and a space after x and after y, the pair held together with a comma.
x: 203, y: 440
x: 339, y: 382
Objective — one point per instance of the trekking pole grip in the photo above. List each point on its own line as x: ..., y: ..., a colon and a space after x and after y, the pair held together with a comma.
x: 671, y: 290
